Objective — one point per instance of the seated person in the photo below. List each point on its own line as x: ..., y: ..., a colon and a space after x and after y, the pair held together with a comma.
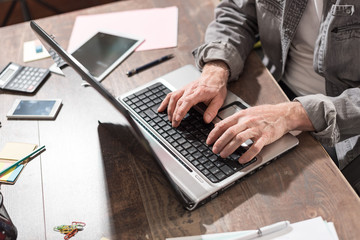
x: 314, y: 48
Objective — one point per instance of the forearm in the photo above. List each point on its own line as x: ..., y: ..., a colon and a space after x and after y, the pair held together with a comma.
x: 229, y: 41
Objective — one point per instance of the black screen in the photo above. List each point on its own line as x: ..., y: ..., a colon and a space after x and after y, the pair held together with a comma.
x: 101, y: 51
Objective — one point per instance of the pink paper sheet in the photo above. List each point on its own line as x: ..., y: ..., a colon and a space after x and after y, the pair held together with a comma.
x: 158, y: 26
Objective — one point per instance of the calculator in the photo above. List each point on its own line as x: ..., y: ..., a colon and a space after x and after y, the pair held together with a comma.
x: 19, y: 78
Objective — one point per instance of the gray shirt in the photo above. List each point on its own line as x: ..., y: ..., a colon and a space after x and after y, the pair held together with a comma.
x: 336, y: 117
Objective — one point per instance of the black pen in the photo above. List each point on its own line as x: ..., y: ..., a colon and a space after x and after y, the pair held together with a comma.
x: 150, y: 64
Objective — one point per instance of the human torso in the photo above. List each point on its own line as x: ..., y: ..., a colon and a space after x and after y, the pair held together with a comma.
x: 299, y: 72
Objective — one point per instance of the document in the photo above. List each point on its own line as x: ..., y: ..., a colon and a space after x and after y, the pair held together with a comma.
x: 158, y: 26
x: 312, y: 229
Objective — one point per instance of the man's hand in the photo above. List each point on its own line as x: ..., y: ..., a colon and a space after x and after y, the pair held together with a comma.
x: 210, y: 89
x: 262, y: 124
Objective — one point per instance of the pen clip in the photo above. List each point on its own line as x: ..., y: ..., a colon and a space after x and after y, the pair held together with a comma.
x: 276, y: 227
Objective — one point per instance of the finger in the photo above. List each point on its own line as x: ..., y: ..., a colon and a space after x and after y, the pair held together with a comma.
x: 228, y: 136
x: 235, y: 143
x: 180, y: 113
x: 174, y: 97
x: 164, y: 104
x: 220, y: 128
x: 184, y: 104
x: 252, y: 151
x: 212, y: 110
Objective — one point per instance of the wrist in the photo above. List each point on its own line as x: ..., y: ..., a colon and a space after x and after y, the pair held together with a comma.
x: 298, y: 118
x: 216, y: 72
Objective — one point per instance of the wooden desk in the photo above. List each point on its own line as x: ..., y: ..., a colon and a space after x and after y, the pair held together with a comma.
x: 99, y: 174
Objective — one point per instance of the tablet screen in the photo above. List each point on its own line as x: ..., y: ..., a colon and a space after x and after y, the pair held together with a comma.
x: 102, y: 51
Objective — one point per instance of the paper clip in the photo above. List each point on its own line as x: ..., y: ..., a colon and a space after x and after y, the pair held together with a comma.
x: 71, y: 234
x: 79, y: 225
x: 66, y: 229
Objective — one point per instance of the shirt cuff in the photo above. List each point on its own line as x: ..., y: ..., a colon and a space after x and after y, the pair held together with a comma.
x: 220, y: 51
x: 322, y: 114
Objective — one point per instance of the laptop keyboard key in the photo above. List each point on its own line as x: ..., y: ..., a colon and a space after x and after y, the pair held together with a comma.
x: 212, y: 178
x: 227, y: 170
x: 220, y: 175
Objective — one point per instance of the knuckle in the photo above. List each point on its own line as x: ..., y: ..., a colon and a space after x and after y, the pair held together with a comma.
x: 232, y: 132
x: 170, y: 95
x: 188, y: 98
x: 251, y: 121
x: 220, y: 125
x: 239, y: 138
x: 180, y: 102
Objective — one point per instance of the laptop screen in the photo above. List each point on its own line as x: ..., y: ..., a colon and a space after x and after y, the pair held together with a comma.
x: 56, y: 51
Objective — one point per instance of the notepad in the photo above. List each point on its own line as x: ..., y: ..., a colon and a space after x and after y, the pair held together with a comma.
x: 11, y: 153
x: 311, y: 229
x: 33, y: 50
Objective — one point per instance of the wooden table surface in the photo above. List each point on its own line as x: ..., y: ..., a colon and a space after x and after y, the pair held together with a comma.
x: 100, y: 175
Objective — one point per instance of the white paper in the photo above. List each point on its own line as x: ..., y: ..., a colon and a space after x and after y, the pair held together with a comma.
x: 312, y: 229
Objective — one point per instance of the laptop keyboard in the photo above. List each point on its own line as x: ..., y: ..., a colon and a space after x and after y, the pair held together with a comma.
x: 189, y: 139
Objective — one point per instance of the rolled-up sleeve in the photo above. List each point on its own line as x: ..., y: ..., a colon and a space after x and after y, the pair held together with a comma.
x: 230, y: 37
x: 334, y: 118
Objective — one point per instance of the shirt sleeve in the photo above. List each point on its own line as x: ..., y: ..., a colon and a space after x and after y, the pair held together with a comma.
x: 230, y: 37
x: 334, y: 118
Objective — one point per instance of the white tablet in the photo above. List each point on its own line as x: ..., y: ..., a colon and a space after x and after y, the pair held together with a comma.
x: 34, y: 109
x: 104, y: 51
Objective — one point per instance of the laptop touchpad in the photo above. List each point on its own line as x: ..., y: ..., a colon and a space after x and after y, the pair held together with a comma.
x: 230, y: 109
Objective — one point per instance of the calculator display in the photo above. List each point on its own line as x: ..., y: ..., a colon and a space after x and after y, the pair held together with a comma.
x: 6, y: 75
x: 33, y: 107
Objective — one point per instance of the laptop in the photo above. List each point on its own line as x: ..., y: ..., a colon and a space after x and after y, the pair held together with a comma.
x: 196, y: 174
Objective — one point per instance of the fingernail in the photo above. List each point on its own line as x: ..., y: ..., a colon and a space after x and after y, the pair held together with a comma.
x: 215, y: 150
x: 176, y: 118
x: 223, y: 155
x: 241, y: 161
x: 207, y: 118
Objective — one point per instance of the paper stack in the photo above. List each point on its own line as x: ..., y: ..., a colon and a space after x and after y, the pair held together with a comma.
x: 312, y: 229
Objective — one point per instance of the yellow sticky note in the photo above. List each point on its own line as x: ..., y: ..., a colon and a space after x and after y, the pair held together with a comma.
x: 11, y: 153
x: 16, y: 151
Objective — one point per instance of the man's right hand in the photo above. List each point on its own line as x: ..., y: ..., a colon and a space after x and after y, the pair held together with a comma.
x: 210, y: 89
